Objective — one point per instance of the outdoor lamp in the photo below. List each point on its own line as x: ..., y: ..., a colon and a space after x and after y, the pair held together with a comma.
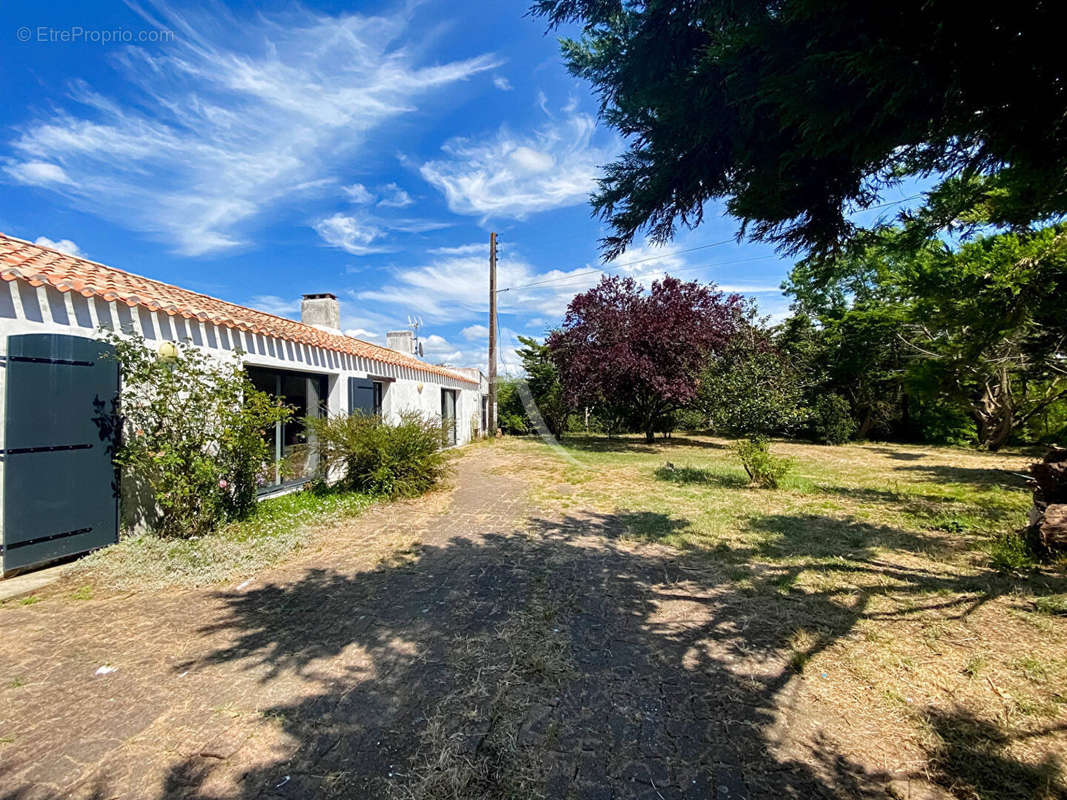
x: 168, y: 351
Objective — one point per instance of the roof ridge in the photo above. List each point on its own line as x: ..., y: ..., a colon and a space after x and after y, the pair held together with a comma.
x: 398, y: 358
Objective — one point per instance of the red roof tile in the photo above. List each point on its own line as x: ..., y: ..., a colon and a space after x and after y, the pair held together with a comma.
x: 39, y: 266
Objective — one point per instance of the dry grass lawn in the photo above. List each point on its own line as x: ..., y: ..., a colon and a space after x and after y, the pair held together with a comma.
x: 918, y: 642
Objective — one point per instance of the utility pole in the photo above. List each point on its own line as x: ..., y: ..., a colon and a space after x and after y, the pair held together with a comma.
x: 491, y: 432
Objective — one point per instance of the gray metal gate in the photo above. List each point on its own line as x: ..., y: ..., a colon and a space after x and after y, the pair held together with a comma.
x: 60, y: 488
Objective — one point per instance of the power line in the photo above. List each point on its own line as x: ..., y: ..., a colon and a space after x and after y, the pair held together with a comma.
x: 606, y: 268
x: 615, y: 267
x: 573, y: 278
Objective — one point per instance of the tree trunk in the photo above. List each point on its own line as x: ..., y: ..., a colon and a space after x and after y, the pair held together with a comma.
x: 1048, y: 517
x: 650, y: 436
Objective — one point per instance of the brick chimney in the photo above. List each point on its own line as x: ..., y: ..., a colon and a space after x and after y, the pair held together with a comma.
x: 322, y: 311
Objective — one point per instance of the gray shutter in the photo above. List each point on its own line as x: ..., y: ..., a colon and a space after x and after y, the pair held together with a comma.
x: 360, y: 396
x: 60, y: 487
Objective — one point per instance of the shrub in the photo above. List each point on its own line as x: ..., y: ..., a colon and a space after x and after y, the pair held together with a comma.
x: 193, y: 435
x: 372, y: 456
x: 832, y: 419
x: 1010, y: 552
x: 764, y: 469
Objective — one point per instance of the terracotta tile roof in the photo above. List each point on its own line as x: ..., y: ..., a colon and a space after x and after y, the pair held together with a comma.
x: 39, y: 265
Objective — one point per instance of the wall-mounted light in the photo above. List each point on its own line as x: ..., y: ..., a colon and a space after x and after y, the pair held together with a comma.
x: 419, y: 387
x: 167, y: 351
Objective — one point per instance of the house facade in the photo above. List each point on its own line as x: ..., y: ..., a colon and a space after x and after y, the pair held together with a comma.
x: 310, y: 363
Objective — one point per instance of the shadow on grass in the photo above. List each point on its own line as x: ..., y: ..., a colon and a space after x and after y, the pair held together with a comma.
x: 970, y: 757
x: 633, y: 444
x: 686, y: 475
x: 985, y: 478
x: 899, y: 455
x: 413, y: 672
x: 936, y: 512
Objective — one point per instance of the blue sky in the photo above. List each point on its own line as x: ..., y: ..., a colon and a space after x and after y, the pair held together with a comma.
x: 263, y: 151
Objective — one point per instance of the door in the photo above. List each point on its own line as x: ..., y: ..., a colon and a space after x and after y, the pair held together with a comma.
x: 448, y: 414
x: 60, y: 428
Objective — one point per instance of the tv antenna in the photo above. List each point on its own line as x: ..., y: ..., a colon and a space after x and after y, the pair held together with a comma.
x: 415, y: 323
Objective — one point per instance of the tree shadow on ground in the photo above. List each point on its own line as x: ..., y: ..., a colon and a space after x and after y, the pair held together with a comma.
x: 555, y: 661
x: 899, y: 455
x: 985, y: 478
x: 687, y: 475
x: 631, y: 444
x: 970, y: 757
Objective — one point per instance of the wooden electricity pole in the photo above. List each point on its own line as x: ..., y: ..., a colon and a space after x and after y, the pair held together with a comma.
x: 492, y: 336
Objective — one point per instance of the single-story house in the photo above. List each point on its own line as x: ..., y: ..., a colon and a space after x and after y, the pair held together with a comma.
x: 52, y: 306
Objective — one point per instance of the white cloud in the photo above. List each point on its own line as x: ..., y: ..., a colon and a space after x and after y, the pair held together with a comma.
x: 440, y: 350
x: 454, y: 286
x: 463, y: 249
x: 37, y: 173
x: 358, y: 194
x: 502, y: 83
x: 367, y: 336
x: 474, y: 333
x: 363, y: 233
x: 62, y: 245
x: 278, y: 306
x: 351, y: 234
x: 542, y: 103
x: 227, y: 120
x: 394, y: 197
x: 507, y: 175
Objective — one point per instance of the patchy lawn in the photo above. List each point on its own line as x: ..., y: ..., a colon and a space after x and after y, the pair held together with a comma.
x: 617, y: 621
x: 915, y: 635
x: 280, y: 527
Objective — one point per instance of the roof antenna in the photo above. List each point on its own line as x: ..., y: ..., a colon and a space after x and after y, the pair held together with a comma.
x: 415, y: 323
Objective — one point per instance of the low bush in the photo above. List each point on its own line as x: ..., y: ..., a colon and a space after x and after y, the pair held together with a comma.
x: 764, y: 469
x: 1011, y: 552
x: 832, y: 420
x: 372, y: 456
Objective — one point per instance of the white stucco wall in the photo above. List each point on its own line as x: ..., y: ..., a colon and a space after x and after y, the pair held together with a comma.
x: 28, y: 309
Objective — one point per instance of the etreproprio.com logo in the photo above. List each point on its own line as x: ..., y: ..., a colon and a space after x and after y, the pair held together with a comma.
x: 76, y: 34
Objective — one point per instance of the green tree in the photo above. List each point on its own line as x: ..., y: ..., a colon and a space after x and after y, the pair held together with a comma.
x: 542, y: 378
x: 751, y: 388
x: 510, y: 414
x: 977, y: 327
x: 798, y: 112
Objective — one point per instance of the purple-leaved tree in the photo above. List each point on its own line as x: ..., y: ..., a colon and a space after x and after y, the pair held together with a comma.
x: 639, y: 354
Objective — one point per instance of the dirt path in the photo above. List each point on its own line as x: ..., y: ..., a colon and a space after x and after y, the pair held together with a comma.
x: 504, y: 655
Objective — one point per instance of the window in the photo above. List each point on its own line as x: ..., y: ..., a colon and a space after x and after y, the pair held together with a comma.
x: 379, y: 394
x: 295, y: 457
x: 366, y: 395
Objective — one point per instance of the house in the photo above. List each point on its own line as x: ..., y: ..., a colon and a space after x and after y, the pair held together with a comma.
x: 52, y: 306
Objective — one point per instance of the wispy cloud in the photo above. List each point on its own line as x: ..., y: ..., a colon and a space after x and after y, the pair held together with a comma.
x: 351, y: 234
x: 512, y: 175
x: 362, y: 233
x: 279, y: 306
x: 62, y: 245
x: 394, y: 197
x: 227, y: 120
x: 502, y: 83
x: 358, y: 193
